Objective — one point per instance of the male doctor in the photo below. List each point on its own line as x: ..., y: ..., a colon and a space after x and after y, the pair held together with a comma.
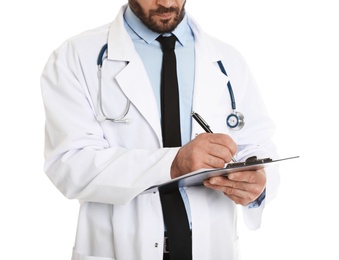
x: 107, y: 165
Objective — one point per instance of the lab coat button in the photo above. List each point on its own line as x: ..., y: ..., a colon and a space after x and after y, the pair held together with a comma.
x: 156, y: 245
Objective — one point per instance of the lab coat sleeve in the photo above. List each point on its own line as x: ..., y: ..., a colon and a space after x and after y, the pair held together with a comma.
x: 255, y: 139
x: 253, y: 216
x: 78, y: 159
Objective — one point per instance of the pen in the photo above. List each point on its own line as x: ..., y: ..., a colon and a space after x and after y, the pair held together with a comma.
x: 201, y: 122
x: 204, y: 125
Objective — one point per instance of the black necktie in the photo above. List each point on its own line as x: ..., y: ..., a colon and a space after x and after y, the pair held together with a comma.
x: 175, y: 217
x: 170, y: 115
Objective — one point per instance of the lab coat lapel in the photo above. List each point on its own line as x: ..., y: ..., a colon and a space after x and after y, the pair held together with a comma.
x: 135, y: 83
x: 210, y: 83
x: 133, y: 78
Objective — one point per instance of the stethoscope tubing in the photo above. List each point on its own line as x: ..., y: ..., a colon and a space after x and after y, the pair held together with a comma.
x: 229, y: 86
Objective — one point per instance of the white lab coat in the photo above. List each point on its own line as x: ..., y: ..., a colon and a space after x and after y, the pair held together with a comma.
x: 106, y: 166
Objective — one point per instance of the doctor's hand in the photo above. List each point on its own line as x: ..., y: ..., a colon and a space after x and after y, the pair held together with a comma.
x: 241, y: 187
x: 204, y: 151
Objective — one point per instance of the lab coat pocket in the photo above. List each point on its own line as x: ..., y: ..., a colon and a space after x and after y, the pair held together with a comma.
x: 77, y: 256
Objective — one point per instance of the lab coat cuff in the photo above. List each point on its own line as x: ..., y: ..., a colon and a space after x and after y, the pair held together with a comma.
x: 253, y: 215
x: 166, y: 167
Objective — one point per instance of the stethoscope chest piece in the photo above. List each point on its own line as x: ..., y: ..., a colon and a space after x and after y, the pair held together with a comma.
x: 235, y: 121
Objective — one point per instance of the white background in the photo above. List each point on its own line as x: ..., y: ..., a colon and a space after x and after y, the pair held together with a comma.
x: 292, y: 49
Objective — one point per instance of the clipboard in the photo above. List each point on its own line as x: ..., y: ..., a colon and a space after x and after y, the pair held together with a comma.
x: 197, y: 178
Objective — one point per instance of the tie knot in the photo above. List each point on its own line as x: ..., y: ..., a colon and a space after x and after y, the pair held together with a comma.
x: 167, y: 43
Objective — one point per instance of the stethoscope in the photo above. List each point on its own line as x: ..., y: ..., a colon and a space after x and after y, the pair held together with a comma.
x: 234, y: 121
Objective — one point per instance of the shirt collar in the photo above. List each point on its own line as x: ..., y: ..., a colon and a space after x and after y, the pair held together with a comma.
x: 149, y: 36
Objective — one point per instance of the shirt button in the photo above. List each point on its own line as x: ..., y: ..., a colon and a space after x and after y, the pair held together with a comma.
x: 156, y: 245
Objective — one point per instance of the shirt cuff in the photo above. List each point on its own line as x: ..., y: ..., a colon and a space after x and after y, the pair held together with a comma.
x: 258, y: 201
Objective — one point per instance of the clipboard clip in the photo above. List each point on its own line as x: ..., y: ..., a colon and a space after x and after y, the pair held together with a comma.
x: 249, y: 161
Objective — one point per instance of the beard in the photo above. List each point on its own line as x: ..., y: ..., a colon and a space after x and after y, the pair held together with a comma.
x: 158, y: 25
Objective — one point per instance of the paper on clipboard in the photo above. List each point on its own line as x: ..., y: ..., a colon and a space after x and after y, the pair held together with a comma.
x: 198, y: 177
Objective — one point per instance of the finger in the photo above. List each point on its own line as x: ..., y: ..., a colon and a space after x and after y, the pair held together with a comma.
x: 218, y: 145
x: 225, y: 141
x: 247, y: 192
x: 245, y: 195
x: 248, y: 176
x: 225, y: 185
x: 212, y: 161
x: 221, y: 152
x: 239, y: 200
x: 258, y: 176
x: 242, y: 197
